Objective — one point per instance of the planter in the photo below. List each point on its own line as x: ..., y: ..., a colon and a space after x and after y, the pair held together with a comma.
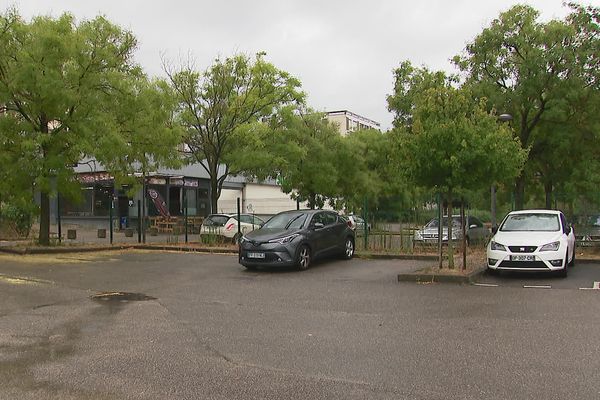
x: 128, y: 232
x: 71, y: 234
x: 102, y: 233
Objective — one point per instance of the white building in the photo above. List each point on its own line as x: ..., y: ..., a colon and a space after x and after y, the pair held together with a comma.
x: 350, y: 122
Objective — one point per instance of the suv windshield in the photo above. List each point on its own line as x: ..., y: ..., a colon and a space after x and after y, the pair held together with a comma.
x: 286, y: 221
x: 531, y: 222
x: 434, y: 222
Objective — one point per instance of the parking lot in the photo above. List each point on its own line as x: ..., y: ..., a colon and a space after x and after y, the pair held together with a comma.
x: 584, y: 276
x: 208, y: 329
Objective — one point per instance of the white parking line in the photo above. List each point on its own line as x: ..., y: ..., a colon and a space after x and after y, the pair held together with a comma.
x: 537, y: 287
x: 595, y: 287
x: 485, y: 284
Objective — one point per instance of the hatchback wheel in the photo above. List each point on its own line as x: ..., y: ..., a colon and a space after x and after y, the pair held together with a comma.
x: 349, y: 249
x: 303, y: 258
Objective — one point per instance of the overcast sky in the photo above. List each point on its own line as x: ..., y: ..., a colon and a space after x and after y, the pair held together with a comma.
x: 342, y: 51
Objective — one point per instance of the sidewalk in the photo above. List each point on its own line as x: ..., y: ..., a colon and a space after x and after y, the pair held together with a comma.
x: 87, y: 239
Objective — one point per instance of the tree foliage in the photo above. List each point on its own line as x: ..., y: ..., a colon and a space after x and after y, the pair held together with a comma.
x: 221, y: 110
x: 67, y: 91
x: 310, y: 159
x: 453, y: 144
x: 542, y: 73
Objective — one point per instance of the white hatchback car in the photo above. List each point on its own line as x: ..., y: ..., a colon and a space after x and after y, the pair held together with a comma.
x: 226, y: 225
x: 532, y: 240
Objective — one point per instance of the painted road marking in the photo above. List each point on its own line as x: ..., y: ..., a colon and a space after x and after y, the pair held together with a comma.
x: 537, y: 287
x: 595, y: 287
x: 17, y: 280
x: 485, y: 284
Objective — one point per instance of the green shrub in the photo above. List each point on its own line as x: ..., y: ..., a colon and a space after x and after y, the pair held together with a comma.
x: 19, y: 217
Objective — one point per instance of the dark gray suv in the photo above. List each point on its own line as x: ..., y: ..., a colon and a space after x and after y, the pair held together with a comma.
x: 296, y: 238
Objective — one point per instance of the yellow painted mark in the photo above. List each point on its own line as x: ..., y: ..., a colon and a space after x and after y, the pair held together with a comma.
x: 12, y: 280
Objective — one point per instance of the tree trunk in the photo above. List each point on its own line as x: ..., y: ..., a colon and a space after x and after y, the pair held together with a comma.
x: 44, y: 236
x: 450, y: 244
x: 520, y: 193
x: 440, y: 231
x: 312, y: 201
x: 214, y: 195
x: 548, y: 192
x: 214, y: 187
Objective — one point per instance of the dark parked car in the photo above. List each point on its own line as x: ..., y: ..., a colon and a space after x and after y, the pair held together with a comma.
x: 296, y: 238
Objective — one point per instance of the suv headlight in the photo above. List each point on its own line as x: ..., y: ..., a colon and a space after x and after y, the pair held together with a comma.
x: 554, y: 246
x: 285, y: 239
x: 497, y: 246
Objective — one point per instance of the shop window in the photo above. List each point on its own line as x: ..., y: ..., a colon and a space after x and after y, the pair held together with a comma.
x: 191, y: 197
x: 102, y: 200
x: 81, y: 207
x: 175, y: 200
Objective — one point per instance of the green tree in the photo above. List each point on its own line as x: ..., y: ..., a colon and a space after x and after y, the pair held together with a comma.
x: 373, y: 176
x: 535, y: 71
x: 149, y: 134
x: 455, y: 145
x: 65, y: 89
x: 222, y: 108
x: 304, y: 150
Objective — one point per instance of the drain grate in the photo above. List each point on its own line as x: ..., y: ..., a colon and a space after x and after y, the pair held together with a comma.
x: 121, y: 296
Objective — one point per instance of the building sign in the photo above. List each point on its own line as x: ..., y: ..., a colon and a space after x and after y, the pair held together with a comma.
x: 176, y: 181
x: 190, y: 182
x: 94, y: 177
x: 157, y: 181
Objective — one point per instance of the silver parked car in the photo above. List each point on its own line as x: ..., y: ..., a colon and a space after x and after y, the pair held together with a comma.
x: 476, y: 231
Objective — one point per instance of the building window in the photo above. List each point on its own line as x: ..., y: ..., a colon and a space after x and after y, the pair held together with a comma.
x: 95, y: 201
x: 82, y: 207
x: 102, y: 200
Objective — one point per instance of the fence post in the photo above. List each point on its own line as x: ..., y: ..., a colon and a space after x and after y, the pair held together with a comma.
x: 366, y: 223
x: 110, y: 219
x: 239, y: 223
x: 440, y: 230
x: 58, y: 221
x: 186, y: 213
x: 139, y: 221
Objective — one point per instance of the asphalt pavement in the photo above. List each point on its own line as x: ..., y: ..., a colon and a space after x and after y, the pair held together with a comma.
x: 208, y: 329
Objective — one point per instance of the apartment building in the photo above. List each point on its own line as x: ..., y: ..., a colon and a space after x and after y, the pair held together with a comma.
x: 349, y: 122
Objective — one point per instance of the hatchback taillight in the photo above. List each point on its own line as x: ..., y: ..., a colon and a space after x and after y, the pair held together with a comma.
x: 230, y: 227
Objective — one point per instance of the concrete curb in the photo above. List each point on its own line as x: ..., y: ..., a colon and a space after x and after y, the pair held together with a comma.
x: 375, y: 256
x: 60, y: 250
x: 185, y: 249
x: 88, y: 249
x: 441, y: 278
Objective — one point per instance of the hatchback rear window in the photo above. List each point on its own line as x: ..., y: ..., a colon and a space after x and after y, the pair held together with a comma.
x: 216, y: 220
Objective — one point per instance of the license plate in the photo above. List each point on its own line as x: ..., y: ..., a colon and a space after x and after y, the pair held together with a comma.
x: 522, y: 258
x: 256, y: 255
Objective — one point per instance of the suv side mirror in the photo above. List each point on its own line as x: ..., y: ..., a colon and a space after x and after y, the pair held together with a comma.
x: 494, y: 230
x: 318, y: 225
